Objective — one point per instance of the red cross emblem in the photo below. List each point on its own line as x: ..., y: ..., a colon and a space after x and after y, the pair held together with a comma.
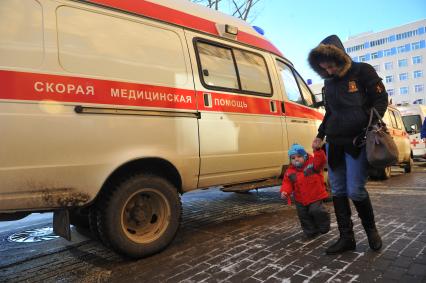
x: 414, y: 142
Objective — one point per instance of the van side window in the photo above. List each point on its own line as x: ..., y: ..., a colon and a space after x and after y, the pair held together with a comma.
x: 253, y: 72
x: 410, y: 120
x: 290, y: 84
x: 217, y: 66
x: 306, y: 92
x: 231, y: 69
x: 393, y: 119
x: 398, y: 118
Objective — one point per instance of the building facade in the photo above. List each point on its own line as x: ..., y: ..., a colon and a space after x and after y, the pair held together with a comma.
x: 399, y: 57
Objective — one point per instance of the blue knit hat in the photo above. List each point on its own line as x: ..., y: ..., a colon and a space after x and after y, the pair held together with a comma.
x: 297, y: 149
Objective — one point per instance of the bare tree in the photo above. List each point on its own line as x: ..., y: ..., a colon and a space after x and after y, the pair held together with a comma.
x: 209, y: 3
x: 238, y: 8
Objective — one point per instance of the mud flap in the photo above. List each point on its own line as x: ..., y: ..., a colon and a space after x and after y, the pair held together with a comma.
x: 61, y: 223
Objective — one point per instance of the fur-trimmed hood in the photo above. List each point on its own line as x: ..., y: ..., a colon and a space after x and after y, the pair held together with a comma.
x: 330, y: 50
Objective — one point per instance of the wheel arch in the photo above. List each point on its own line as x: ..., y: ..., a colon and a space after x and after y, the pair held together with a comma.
x: 154, y: 165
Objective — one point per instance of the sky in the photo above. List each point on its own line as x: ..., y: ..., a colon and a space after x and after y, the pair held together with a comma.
x: 297, y: 26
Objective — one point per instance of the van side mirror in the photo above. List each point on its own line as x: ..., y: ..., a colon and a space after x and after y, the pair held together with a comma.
x: 319, y: 104
x: 319, y: 101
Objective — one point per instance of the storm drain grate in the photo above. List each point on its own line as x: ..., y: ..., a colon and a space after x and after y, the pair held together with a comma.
x: 33, y: 235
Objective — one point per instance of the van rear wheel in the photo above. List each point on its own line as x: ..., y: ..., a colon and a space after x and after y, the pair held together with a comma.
x: 140, y: 216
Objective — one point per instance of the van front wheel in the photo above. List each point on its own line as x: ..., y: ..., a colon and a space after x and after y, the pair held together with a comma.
x: 140, y: 216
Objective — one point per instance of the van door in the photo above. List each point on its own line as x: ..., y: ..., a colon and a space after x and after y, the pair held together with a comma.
x: 300, y: 119
x: 240, y: 128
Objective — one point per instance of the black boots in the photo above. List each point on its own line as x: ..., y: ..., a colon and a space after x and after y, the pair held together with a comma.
x: 346, y: 241
x: 365, y: 212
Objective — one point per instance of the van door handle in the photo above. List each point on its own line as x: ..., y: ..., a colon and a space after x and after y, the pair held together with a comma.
x: 272, y: 106
x: 207, y: 100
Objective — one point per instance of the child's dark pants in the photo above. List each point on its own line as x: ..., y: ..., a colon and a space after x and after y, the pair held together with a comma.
x: 314, y: 218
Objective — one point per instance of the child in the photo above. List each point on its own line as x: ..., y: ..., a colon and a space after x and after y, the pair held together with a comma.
x: 304, y: 178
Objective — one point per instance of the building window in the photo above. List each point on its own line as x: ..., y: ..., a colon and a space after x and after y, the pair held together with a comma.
x: 388, y: 66
x: 403, y: 63
x: 403, y: 76
x: 355, y: 48
x: 418, y: 88
x: 363, y: 58
x: 418, y: 74
x: 388, y: 52
x: 378, y: 42
x: 415, y: 45
x: 403, y: 90
x: 389, y: 79
x: 406, y: 34
x: 401, y: 49
x: 390, y: 92
x: 374, y: 55
x: 417, y: 60
x: 377, y: 68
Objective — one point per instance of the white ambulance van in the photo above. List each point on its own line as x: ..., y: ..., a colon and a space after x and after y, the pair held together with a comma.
x: 110, y: 110
x: 413, y: 117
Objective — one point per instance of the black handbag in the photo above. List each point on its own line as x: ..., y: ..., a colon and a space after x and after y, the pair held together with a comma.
x: 380, y: 147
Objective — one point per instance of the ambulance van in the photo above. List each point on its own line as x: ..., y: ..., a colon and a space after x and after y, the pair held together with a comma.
x: 413, y: 117
x: 110, y: 110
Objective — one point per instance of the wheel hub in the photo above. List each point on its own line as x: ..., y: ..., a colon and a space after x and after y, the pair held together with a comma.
x: 145, y: 216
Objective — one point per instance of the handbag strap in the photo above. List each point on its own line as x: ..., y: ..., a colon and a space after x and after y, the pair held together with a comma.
x: 374, y: 110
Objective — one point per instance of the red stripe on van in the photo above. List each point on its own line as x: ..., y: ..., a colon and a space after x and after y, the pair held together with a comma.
x: 166, y: 14
x: 295, y: 110
x: 221, y: 102
x: 46, y: 87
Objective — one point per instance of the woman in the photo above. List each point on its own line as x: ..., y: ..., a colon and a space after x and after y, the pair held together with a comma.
x: 351, y: 89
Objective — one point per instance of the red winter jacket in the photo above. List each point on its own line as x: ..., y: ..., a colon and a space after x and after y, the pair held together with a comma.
x: 307, y: 183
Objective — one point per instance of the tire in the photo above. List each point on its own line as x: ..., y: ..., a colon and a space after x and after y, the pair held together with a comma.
x: 380, y: 174
x: 373, y: 173
x: 79, y: 219
x: 85, y: 222
x: 408, y: 167
x: 140, y: 216
x: 93, y: 223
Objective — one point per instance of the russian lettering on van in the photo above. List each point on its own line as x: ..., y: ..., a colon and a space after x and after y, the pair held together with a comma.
x: 61, y: 88
x: 231, y: 103
x: 133, y: 94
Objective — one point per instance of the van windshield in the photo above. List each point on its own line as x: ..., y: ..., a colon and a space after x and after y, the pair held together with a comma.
x: 412, y: 120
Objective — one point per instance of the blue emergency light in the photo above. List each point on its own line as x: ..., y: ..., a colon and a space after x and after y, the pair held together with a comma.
x: 259, y: 30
